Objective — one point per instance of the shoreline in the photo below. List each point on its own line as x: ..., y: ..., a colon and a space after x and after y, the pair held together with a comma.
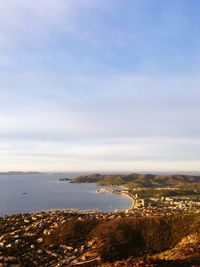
x: 128, y: 196
x: 132, y: 202
x: 119, y: 192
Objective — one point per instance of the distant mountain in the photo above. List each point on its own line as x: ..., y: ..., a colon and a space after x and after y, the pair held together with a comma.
x: 144, y: 180
x: 19, y: 173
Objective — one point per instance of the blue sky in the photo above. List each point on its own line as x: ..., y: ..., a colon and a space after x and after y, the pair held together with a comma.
x: 99, y: 85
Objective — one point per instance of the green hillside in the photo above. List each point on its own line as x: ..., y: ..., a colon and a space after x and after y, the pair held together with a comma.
x: 139, y: 180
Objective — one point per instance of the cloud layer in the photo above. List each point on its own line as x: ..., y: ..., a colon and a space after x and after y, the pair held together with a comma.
x: 84, y: 87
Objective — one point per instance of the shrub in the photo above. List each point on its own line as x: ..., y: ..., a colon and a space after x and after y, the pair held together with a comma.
x: 117, y: 240
x: 71, y: 233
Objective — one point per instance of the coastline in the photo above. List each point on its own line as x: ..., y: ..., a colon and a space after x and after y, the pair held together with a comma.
x: 128, y: 196
x: 119, y: 192
x: 132, y: 202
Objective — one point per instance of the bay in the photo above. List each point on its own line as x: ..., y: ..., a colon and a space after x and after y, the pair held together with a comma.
x: 31, y: 193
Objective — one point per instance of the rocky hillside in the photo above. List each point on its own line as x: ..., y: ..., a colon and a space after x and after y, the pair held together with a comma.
x: 186, y: 253
x: 98, y: 239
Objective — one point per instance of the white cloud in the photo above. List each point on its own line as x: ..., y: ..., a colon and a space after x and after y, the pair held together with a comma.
x: 99, y: 107
x: 39, y: 21
x: 148, y: 154
x: 67, y: 117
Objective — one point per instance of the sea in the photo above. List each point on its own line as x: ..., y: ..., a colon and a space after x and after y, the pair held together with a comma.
x: 23, y: 193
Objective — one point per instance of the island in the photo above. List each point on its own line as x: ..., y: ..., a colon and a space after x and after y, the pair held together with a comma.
x: 20, y: 173
x: 64, y: 179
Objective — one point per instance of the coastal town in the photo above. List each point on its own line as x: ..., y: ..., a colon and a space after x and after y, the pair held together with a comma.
x: 154, y: 205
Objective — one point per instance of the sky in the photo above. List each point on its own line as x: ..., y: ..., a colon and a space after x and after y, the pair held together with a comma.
x: 100, y: 85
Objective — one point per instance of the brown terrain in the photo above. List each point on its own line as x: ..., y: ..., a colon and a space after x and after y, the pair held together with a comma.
x: 99, y: 239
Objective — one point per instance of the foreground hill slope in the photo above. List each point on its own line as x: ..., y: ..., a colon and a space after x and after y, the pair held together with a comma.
x: 64, y: 239
x: 186, y: 253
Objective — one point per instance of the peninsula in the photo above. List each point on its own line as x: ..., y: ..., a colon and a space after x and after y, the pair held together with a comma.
x: 150, y: 194
x: 137, y: 180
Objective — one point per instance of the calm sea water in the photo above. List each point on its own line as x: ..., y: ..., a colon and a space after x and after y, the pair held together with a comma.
x: 45, y: 191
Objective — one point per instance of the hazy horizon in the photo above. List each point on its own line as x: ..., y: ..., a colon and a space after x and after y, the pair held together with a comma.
x: 99, y: 85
